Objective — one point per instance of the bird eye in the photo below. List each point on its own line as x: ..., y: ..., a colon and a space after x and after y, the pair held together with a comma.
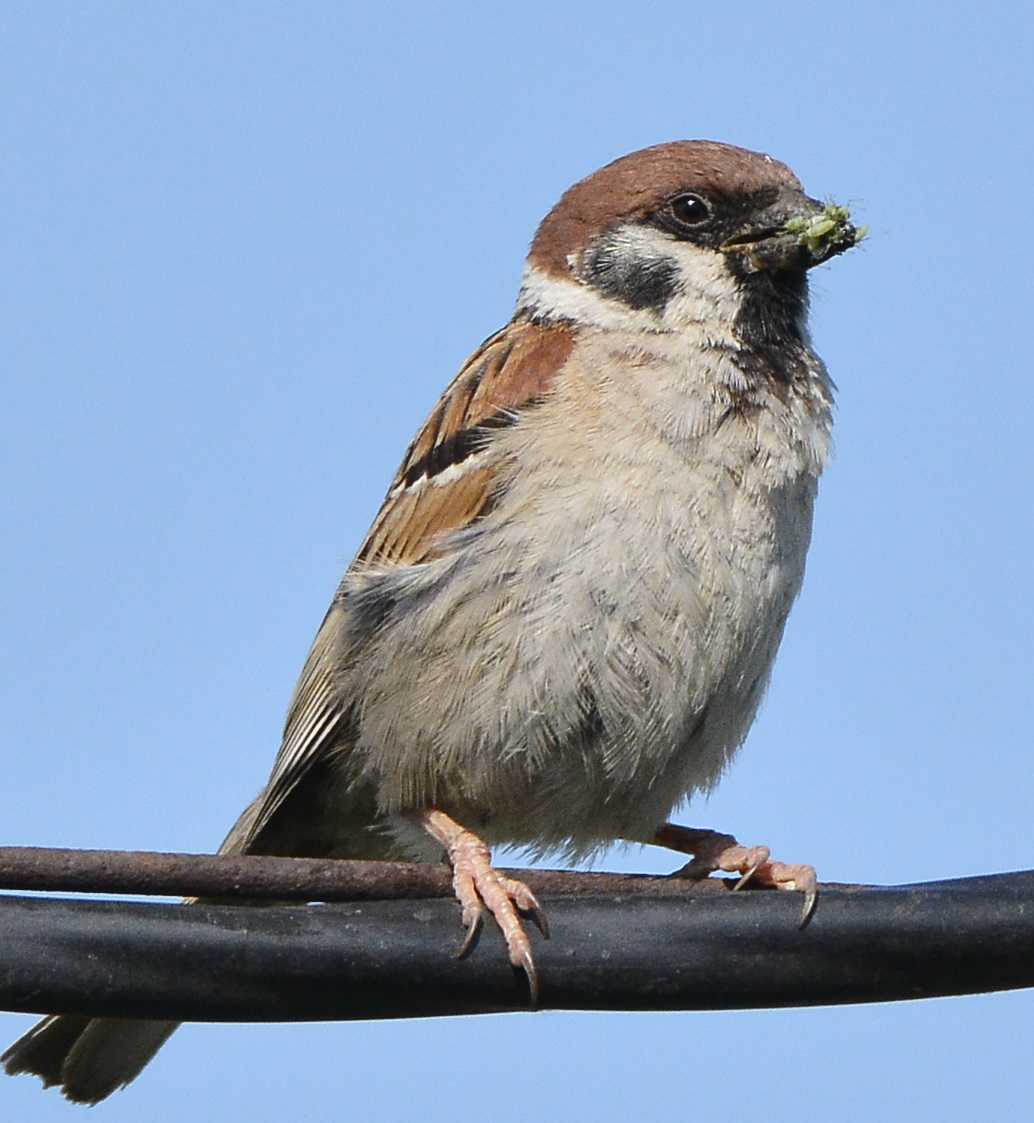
x: 689, y: 209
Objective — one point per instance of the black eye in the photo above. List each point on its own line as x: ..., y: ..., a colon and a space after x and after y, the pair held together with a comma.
x: 689, y: 209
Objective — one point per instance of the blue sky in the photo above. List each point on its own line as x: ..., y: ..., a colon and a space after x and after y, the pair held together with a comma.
x: 244, y: 247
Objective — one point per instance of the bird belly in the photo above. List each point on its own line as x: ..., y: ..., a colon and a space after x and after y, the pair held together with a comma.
x: 569, y: 677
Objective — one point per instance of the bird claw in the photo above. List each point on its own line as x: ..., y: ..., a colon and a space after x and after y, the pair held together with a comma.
x: 713, y: 851
x: 473, y: 934
x: 527, y: 903
x: 747, y: 875
x: 479, y: 887
x: 800, y: 878
x: 527, y: 965
x: 811, y: 899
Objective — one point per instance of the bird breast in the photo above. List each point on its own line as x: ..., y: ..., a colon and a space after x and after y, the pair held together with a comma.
x: 595, y: 648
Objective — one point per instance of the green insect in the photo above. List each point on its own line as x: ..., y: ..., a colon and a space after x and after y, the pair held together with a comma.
x: 828, y: 230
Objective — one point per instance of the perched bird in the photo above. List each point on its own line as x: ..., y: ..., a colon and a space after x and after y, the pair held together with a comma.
x: 564, y: 616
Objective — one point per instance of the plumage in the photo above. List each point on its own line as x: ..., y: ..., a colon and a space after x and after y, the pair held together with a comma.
x: 563, y: 618
x: 446, y: 478
x: 430, y: 498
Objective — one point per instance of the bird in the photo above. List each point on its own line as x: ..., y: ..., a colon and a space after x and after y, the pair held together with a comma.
x: 564, y: 616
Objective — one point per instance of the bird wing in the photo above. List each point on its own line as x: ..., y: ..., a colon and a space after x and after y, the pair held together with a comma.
x: 446, y: 478
x: 445, y: 482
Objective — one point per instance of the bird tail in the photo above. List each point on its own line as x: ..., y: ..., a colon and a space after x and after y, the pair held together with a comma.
x: 88, y: 1057
x: 92, y: 1057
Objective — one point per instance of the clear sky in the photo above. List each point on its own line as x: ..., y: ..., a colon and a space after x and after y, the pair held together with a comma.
x: 244, y: 246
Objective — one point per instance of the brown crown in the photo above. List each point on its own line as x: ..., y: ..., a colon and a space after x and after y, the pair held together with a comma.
x: 635, y: 185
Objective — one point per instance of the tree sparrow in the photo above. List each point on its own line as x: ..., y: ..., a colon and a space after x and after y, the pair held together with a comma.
x: 564, y: 616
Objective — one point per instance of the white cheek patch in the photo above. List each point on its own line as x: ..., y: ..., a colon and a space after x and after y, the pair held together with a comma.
x: 568, y: 299
x: 703, y: 292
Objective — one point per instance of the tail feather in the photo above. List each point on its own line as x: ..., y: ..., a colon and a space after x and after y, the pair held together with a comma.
x: 92, y: 1057
x: 89, y: 1057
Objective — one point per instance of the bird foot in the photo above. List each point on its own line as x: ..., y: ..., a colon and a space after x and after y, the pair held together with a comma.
x: 714, y: 851
x: 479, y: 887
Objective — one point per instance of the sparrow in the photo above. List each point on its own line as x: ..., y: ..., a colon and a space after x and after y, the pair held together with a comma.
x: 563, y: 618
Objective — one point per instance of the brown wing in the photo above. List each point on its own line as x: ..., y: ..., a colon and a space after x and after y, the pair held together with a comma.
x: 444, y: 483
x: 447, y: 476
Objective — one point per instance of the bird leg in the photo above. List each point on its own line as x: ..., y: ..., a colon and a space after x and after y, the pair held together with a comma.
x: 714, y: 851
x: 479, y: 886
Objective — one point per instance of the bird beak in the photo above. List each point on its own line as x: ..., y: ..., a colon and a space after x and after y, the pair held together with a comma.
x: 795, y: 233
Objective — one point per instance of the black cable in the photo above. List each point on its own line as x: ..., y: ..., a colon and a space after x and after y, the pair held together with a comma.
x: 385, y: 959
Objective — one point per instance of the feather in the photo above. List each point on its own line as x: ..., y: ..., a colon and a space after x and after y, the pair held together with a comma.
x: 444, y: 483
x: 448, y: 474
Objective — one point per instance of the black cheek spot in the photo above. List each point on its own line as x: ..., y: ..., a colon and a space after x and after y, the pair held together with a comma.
x: 639, y: 282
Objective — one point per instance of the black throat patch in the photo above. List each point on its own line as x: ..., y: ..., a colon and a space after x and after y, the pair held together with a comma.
x: 770, y: 323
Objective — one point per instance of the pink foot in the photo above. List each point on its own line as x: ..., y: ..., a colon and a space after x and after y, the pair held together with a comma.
x: 479, y: 886
x: 714, y: 851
